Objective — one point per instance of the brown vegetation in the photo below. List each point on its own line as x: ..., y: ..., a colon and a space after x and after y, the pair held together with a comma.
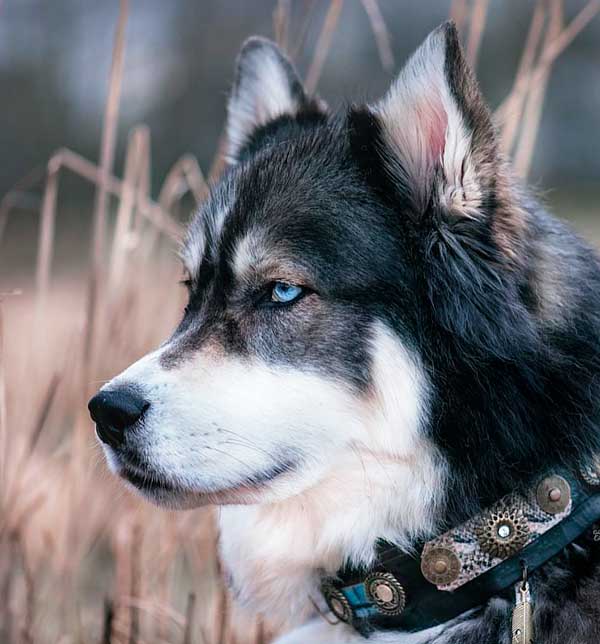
x: 82, y: 560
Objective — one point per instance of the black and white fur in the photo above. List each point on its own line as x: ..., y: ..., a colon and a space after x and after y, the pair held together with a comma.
x: 444, y: 351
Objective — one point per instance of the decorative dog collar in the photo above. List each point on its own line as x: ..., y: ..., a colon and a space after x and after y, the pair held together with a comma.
x: 462, y: 568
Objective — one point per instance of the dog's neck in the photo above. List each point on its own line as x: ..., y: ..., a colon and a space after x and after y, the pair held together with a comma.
x: 275, y: 555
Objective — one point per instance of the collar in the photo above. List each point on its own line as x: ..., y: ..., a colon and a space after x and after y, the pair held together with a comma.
x: 464, y: 567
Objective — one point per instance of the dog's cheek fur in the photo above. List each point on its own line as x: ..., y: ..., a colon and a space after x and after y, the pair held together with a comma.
x: 323, y: 527
x: 360, y: 452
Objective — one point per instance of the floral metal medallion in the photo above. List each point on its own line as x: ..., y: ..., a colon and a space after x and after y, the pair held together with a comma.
x: 502, y: 532
x: 337, y: 602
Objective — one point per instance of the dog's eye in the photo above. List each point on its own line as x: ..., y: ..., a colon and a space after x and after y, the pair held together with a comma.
x: 285, y: 293
x: 186, y: 281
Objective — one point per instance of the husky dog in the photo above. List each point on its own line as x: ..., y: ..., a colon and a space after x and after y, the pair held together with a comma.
x: 385, y: 334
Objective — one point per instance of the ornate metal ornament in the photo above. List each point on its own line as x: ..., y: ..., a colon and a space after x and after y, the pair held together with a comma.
x: 543, y: 518
x: 386, y: 592
x: 590, y: 471
x: 503, y: 532
x: 337, y: 602
x: 440, y: 566
x: 553, y: 494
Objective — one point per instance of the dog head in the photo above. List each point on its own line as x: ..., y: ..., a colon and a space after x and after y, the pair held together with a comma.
x: 331, y: 260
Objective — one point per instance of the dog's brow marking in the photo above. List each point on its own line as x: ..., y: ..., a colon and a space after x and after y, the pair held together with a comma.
x: 194, y: 247
x: 254, y: 254
x: 249, y: 252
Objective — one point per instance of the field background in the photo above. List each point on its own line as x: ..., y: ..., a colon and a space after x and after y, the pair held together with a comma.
x: 110, y: 121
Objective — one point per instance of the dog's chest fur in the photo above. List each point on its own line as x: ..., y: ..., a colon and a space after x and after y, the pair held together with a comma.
x: 275, y: 555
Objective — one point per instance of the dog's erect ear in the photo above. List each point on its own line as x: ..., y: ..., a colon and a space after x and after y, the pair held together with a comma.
x: 429, y: 149
x: 431, y: 142
x: 437, y: 130
x: 266, y: 87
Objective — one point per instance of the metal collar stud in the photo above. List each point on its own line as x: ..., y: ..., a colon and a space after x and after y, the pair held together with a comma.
x: 337, y: 602
x: 386, y: 592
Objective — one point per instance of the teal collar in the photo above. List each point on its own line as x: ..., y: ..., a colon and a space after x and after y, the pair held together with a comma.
x: 464, y: 567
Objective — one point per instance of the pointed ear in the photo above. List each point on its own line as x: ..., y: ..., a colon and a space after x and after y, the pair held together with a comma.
x: 428, y: 148
x: 266, y: 88
x: 436, y: 136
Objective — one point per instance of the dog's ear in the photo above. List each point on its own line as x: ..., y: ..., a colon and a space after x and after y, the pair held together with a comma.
x: 429, y: 148
x: 436, y: 137
x: 266, y: 88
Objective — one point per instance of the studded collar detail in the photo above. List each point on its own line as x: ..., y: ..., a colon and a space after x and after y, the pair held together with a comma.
x: 462, y: 568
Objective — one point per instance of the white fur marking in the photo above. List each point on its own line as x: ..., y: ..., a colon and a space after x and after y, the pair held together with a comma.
x: 324, y: 525
x: 249, y: 253
x: 211, y: 217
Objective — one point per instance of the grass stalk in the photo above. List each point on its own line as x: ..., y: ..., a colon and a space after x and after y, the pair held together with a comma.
x: 281, y: 23
x: 46, y: 236
x: 189, y: 619
x: 535, y: 98
x: 381, y: 33
x: 514, y: 107
x: 107, y: 153
x: 476, y: 27
x: 459, y: 11
x: 323, y: 45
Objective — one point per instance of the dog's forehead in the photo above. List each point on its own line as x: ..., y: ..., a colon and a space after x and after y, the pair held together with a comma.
x: 274, y: 199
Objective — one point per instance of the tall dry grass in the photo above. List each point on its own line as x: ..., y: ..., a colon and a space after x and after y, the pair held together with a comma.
x: 81, y: 560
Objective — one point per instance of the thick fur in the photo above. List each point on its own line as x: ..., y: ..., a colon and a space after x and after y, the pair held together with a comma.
x: 444, y: 352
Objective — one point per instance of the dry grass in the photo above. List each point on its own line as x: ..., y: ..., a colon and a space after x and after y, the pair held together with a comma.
x: 81, y: 560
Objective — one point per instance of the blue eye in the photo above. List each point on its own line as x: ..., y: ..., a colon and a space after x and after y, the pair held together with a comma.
x: 285, y: 293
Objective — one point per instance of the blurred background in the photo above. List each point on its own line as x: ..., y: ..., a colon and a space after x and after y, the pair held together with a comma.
x: 55, y: 59
x: 82, y: 560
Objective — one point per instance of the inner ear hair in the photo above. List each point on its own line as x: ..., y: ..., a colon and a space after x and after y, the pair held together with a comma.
x: 434, y: 118
x: 266, y: 87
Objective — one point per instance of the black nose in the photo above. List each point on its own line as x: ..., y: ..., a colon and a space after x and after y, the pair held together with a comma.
x: 115, y: 411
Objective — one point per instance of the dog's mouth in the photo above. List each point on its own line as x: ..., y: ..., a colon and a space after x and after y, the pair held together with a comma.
x: 147, y: 482
x: 158, y: 488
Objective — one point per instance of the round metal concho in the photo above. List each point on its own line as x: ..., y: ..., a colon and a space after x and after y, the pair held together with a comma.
x: 337, y: 602
x: 553, y: 494
x: 440, y: 566
x: 386, y: 592
x: 590, y: 471
x: 502, y: 533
